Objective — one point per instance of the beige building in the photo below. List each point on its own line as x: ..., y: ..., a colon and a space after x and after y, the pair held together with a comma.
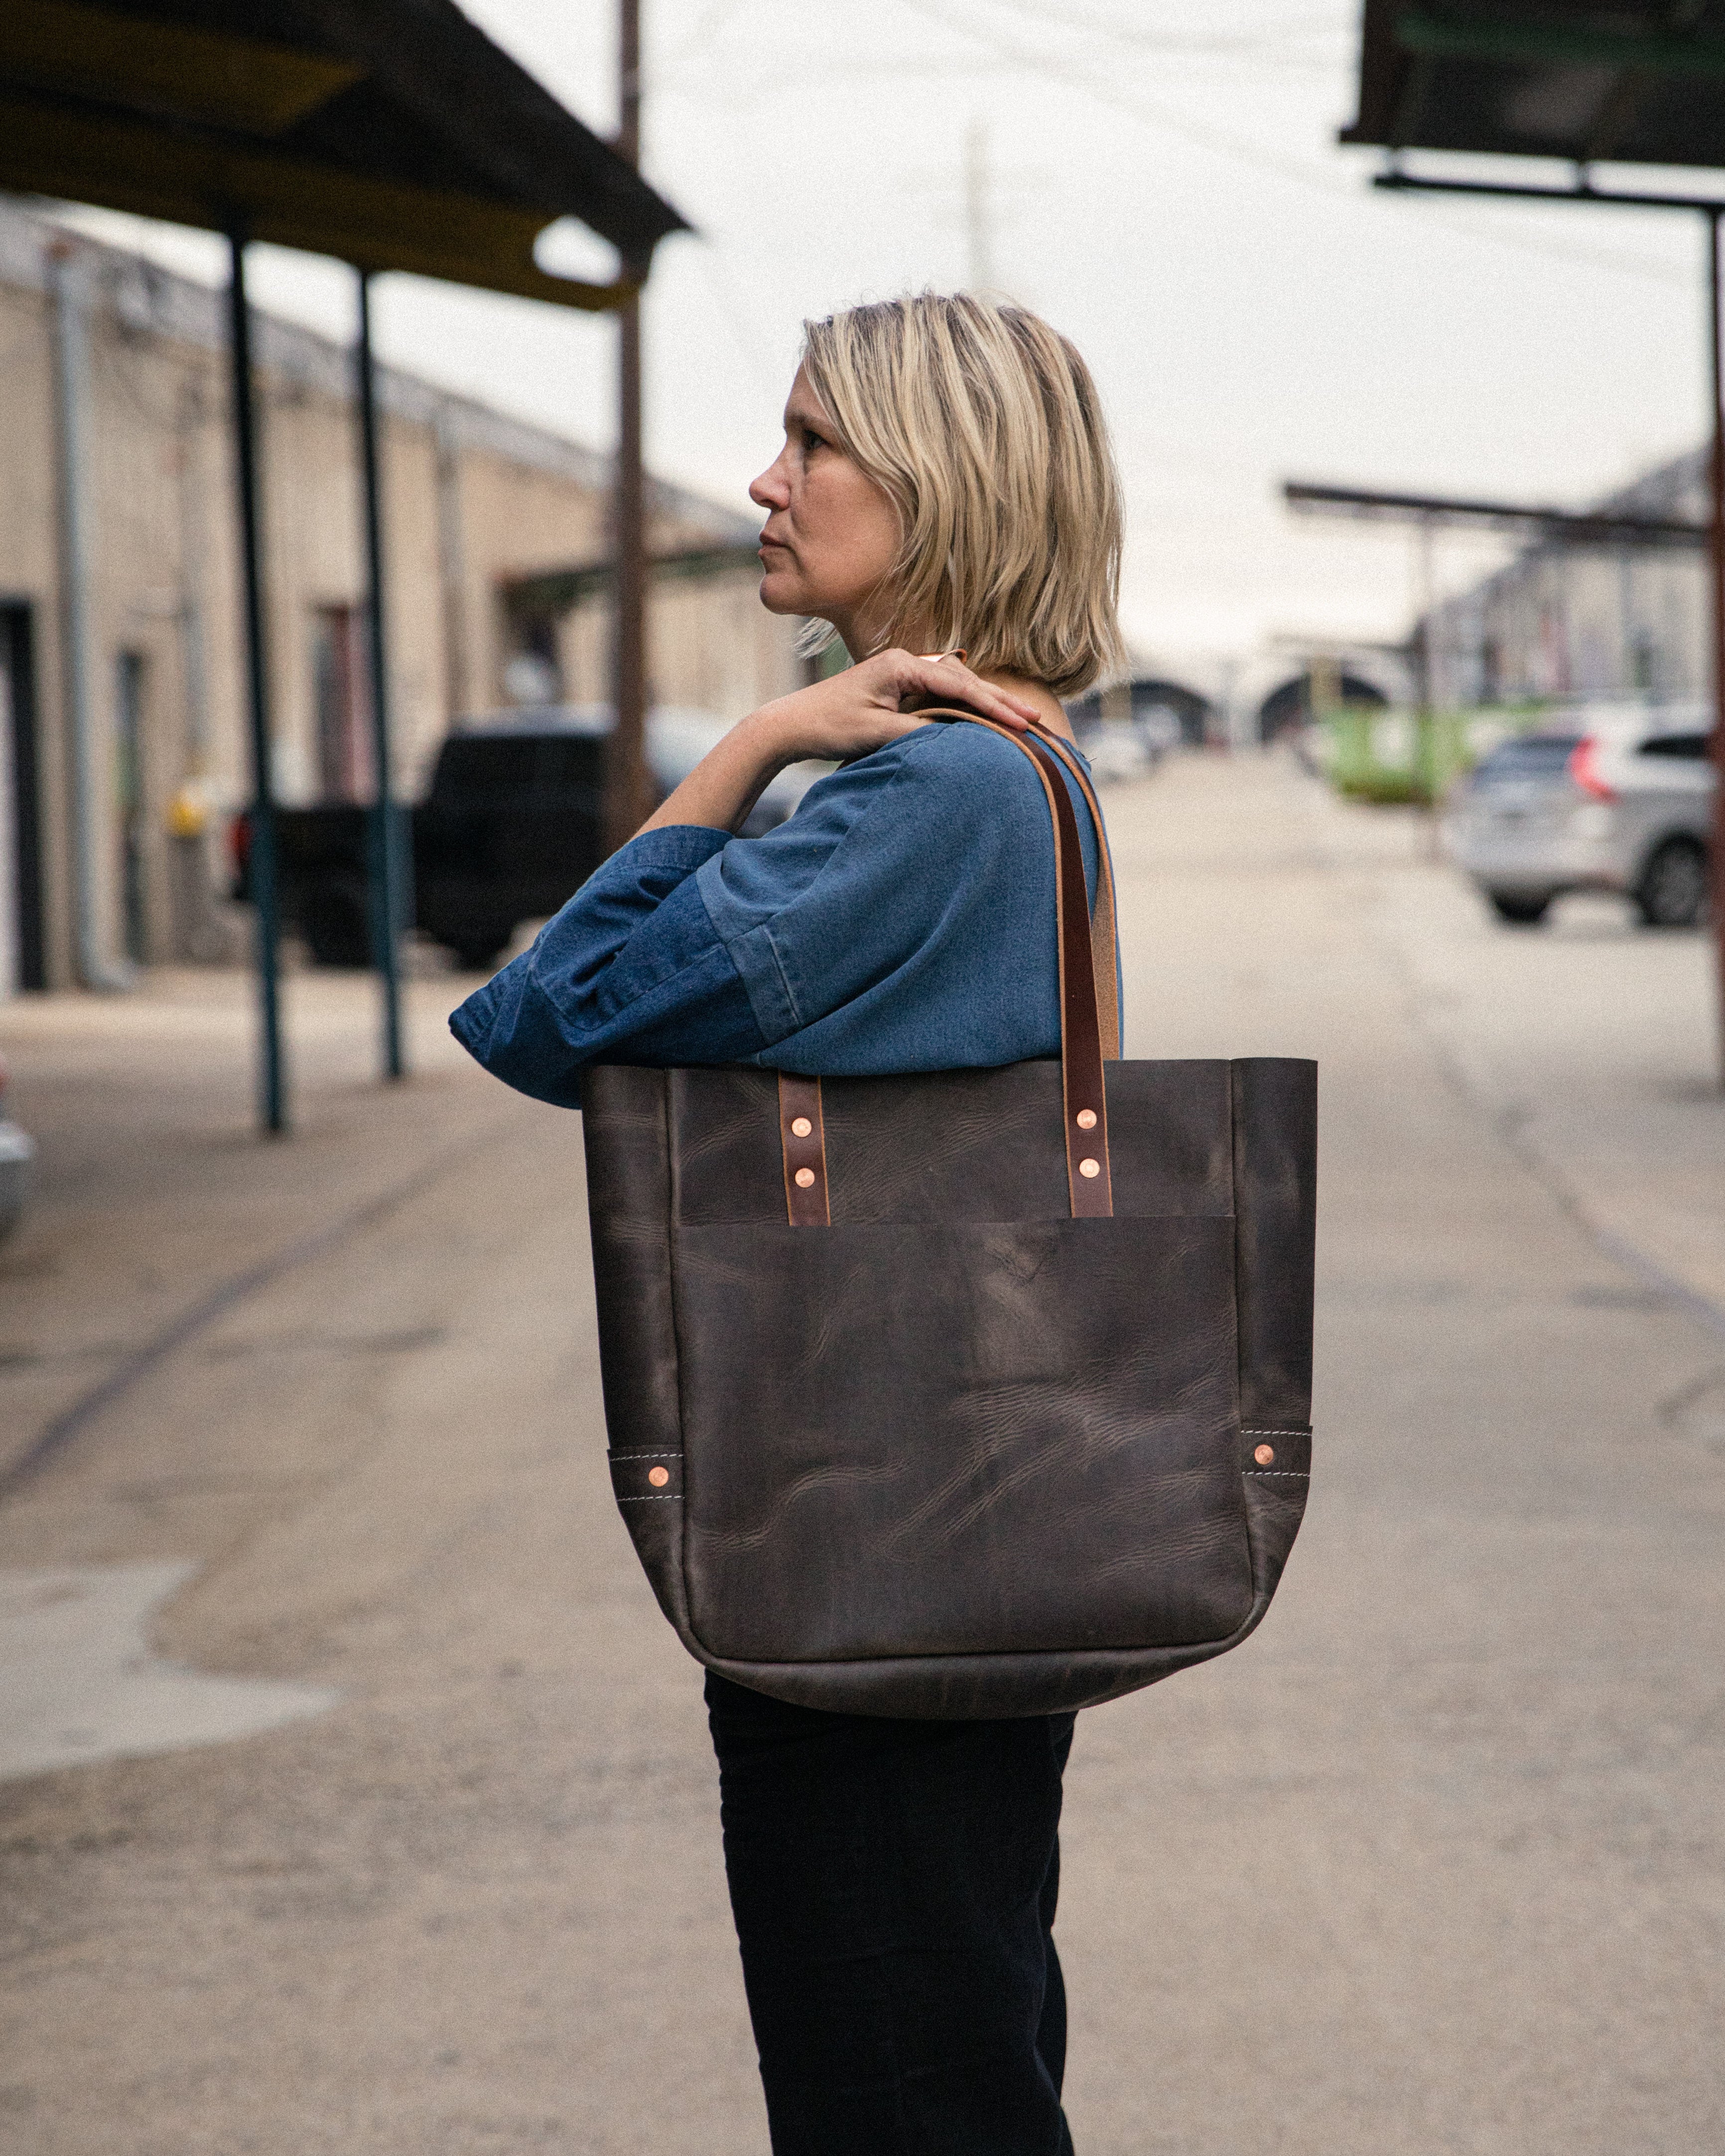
x: 119, y: 558
x: 1594, y: 622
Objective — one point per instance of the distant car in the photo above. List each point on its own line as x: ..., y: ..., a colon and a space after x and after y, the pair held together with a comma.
x: 17, y: 1151
x: 509, y: 828
x: 1123, y: 748
x: 1620, y: 804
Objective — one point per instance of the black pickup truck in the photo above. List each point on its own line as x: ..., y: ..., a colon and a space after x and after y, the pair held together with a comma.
x: 509, y: 829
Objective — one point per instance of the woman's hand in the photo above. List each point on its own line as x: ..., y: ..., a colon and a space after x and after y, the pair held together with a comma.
x: 861, y: 709
x: 849, y: 715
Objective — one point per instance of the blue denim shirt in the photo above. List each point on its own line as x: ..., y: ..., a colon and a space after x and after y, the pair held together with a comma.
x: 902, y: 919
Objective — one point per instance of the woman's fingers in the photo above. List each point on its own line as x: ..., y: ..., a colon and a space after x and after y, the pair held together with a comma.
x: 946, y: 674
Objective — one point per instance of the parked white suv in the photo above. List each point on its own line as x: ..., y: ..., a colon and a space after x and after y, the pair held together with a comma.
x: 1610, y: 801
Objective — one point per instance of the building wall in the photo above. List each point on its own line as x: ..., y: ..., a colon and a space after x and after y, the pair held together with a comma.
x: 1594, y: 622
x: 711, y: 645
x: 472, y: 500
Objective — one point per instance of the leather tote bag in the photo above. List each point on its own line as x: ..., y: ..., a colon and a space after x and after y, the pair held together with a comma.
x: 968, y: 1394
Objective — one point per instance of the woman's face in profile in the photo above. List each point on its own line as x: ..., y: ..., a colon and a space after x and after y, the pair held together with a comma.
x: 831, y: 534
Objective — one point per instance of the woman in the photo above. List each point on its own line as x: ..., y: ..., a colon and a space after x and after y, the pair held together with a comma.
x: 946, y: 481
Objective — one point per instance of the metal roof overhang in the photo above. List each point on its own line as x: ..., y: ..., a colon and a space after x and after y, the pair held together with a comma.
x: 1582, y: 527
x: 1629, y: 82
x: 392, y: 135
x: 554, y: 591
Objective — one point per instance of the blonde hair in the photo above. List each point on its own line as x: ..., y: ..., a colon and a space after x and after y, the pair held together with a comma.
x: 983, y: 427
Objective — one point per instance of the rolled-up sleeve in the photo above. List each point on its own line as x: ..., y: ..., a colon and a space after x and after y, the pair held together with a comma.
x: 631, y: 971
x: 901, y: 920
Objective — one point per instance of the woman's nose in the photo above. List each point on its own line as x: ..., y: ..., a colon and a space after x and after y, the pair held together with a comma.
x: 773, y: 489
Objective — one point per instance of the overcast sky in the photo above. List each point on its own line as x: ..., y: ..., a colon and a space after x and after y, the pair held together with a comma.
x: 1164, y: 185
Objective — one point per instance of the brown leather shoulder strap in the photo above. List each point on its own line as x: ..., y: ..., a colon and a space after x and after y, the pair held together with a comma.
x: 1090, y: 1015
x: 802, y: 1139
x: 1086, y: 1098
x: 1104, y: 930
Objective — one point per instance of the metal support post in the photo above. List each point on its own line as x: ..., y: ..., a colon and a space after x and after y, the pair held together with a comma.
x: 387, y: 867
x: 627, y: 798
x: 261, y: 859
x: 1715, y: 409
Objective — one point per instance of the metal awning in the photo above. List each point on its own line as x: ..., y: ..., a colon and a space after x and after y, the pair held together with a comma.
x: 393, y: 134
x: 553, y: 591
x: 1564, y: 79
x: 1556, y: 527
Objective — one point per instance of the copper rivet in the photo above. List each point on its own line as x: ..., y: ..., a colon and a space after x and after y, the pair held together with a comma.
x: 1263, y: 1455
x: 659, y: 1476
x: 801, y: 1128
x: 1090, y: 1168
x: 805, y: 1176
x: 1086, y: 1119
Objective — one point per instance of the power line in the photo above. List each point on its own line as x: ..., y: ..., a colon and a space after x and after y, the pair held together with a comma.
x: 1220, y: 143
x: 1267, y: 38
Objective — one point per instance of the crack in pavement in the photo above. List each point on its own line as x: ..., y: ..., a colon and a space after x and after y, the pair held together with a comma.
x: 60, y: 1430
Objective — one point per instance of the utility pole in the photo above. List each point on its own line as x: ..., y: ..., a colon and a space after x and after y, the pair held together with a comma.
x: 978, y: 207
x: 1424, y: 754
x: 628, y: 797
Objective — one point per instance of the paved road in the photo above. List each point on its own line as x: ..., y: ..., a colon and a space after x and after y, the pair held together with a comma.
x: 1432, y: 1865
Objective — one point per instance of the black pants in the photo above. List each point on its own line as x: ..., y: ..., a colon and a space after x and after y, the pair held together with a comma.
x: 894, y: 1888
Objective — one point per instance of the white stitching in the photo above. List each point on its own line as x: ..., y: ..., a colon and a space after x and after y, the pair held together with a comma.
x: 1278, y: 1474
x: 646, y: 1455
x: 1274, y: 1433
x: 669, y: 1497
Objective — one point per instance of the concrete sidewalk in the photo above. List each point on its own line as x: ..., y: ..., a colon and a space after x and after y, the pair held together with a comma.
x: 153, y: 1193
x: 1433, y: 1864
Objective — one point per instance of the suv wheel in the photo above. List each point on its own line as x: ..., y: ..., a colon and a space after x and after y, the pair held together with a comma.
x: 1516, y: 906
x: 1673, y: 890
